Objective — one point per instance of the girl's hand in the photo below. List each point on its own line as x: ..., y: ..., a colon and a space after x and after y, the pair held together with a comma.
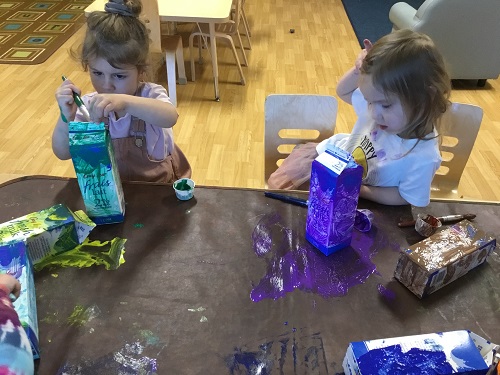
x: 101, y: 105
x: 64, y: 97
x: 10, y: 284
x: 359, y: 60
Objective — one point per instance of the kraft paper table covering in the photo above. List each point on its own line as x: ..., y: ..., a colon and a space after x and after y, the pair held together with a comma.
x: 183, y: 256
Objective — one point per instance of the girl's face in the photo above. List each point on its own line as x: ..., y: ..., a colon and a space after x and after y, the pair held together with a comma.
x: 109, y: 80
x: 386, y: 111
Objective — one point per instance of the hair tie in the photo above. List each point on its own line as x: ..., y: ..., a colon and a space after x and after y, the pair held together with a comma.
x: 118, y: 7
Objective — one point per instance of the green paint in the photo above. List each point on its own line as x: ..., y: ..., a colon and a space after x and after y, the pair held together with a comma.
x: 79, y: 316
x: 51, y: 318
x: 150, y: 338
x: 89, y: 253
x: 183, y: 185
x: 138, y: 225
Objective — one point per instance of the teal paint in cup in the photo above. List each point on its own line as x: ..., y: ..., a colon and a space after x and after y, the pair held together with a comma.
x: 184, y: 189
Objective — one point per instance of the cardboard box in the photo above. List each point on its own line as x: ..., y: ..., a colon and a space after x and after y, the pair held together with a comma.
x: 95, y: 166
x: 14, y: 261
x: 442, y: 258
x: 333, y: 197
x: 440, y: 353
x: 47, y: 232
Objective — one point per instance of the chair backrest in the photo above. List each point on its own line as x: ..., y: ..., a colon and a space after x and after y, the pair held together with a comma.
x: 459, y: 127
x: 464, y: 31
x: 291, y: 119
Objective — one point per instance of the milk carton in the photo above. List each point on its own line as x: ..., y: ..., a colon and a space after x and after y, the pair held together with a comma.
x: 14, y: 261
x: 47, y: 232
x: 95, y: 166
x: 333, y: 197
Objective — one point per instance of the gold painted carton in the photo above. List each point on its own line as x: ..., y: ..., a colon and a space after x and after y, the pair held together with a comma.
x: 95, y: 166
x: 443, y: 257
x: 14, y: 261
x: 47, y: 232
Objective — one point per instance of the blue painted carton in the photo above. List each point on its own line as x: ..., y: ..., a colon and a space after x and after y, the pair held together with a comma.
x: 97, y: 172
x: 442, y: 353
x: 333, y: 198
x: 14, y: 261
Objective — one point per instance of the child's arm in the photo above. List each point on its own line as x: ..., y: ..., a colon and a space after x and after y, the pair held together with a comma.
x: 60, y: 135
x: 349, y: 81
x: 152, y: 111
x: 385, y: 195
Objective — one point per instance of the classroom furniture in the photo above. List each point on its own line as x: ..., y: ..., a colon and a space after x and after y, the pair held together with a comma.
x: 292, y: 119
x: 244, y: 21
x: 183, y: 297
x: 226, y: 31
x: 459, y: 126
x: 171, y: 45
x: 199, y: 11
x: 465, y: 31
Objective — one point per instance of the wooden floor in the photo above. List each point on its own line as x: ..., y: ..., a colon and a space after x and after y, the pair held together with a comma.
x: 224, y: 140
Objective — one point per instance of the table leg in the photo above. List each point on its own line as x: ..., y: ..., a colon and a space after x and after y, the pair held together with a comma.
x: 215, y: 68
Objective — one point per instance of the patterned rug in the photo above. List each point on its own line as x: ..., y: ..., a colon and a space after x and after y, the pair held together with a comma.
x: 30, y: 31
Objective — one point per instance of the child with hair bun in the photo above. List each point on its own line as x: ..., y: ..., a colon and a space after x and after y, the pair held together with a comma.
x: 139, y: 114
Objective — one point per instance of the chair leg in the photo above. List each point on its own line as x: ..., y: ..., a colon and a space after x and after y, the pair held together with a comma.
x: 170, y: 63
x: 245, y: 61
x: 247, y: 29
x: 179, y: 57
x: 235, y: 53
x: 191, y: 55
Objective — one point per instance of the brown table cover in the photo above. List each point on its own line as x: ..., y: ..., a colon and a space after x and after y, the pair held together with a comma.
x: 226, y: 284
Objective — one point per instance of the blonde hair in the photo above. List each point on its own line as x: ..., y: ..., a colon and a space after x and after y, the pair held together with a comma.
x: 119, y: 39
x: 408, y: 65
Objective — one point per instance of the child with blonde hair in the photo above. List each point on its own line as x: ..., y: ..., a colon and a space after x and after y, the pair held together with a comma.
x: 139, y: 114
x: 399, y: 88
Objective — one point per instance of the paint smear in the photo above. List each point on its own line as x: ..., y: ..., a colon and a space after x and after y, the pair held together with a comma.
x: 126, y: 361
x: 82, y: 315
x: 89, y: 253
x: 291, y: 353
x: 138, y: 225
x: 293, y: 263
x: 386, y: 292
x: 197, y: 309
x: 149, y: 337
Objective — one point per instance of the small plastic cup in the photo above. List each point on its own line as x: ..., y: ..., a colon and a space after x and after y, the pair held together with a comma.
x: 426, y: 225
x: 184, y: 189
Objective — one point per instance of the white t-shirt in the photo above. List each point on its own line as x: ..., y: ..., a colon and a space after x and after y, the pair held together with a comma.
x: 387, y: 159
x: 159, y: 141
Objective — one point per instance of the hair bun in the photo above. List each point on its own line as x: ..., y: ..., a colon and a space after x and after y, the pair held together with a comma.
x: 124, y: 7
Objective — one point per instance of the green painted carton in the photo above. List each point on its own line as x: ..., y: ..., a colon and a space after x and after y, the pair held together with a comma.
x: 95, y: 166
x: 14, y: 261
x: 47, y: 232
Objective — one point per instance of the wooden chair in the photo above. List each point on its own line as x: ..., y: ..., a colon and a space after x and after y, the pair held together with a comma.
x: 292, y: 119
x: 226, y: 31
x: 459, y: 127
x: 170, y: 45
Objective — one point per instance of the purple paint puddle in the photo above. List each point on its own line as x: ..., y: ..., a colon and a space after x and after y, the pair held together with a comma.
x: 385, y: 292
x: 293, y: 263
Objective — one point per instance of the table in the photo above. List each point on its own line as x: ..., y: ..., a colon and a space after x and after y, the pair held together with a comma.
x: 198, y: 11
x: 182, y: 301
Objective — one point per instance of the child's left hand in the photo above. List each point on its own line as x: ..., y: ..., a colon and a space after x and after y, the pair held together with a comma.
x: 101, y: 105
x: 10, y: 284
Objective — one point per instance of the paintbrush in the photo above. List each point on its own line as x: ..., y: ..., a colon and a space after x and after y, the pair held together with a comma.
x: 443, y: 219
x: 286, y: 198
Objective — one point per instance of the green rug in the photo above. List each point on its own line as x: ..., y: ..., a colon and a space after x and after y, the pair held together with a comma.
x: 30, y: 31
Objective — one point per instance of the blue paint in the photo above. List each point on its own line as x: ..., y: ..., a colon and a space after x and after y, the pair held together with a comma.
x: 392, y: 360
x: 385, y: 292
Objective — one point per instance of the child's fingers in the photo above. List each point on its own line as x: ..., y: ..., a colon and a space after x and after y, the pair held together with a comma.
x: 368, y: 45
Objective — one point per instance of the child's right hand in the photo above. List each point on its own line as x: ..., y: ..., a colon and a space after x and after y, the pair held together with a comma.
x: 64, y: 97
x: 10, y: 284
x: 359, y: 60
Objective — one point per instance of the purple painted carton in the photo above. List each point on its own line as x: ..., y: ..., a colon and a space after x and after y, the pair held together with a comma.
x: 333, y: 197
